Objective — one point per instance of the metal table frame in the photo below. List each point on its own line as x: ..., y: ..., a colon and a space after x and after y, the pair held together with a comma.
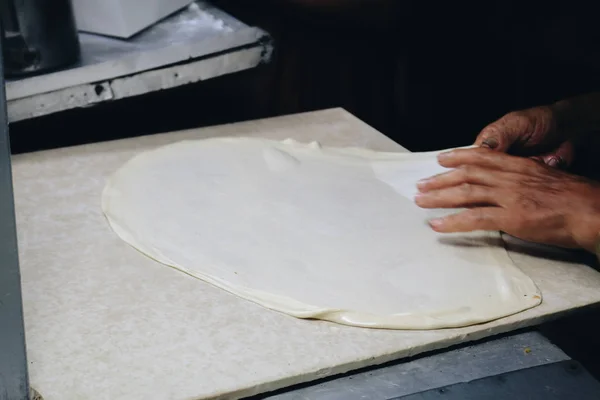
x: 14, y: 379
x: 492, y: 357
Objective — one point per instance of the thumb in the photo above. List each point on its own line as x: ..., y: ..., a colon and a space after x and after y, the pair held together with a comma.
x: 493, y: 138
x: 503, y: 133
x: 561, y: 157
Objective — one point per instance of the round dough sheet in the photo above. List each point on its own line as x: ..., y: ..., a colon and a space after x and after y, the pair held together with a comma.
x: 313, y: 232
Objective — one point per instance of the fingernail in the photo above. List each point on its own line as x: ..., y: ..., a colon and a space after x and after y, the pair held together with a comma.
x: 423, y: 182
x: 490, y: 143
x: 444, y: 156
x: 436, y: 223
x: 553, y: 162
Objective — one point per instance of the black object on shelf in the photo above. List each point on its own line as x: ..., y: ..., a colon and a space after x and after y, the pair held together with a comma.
x: 39, y: 36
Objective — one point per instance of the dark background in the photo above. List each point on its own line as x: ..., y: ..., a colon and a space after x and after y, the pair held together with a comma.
x: 429, y: 75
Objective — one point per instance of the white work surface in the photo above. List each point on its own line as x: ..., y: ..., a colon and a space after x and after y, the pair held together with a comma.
x: 105, y: 322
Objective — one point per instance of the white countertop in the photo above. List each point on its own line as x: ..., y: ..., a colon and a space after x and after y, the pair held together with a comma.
x: 105, y: 322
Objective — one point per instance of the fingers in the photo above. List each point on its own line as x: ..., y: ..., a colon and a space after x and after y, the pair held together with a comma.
x: 462, y: 196
x: 493, y: 138
x: 560, y: 158
x: 477, y: 219
x: 501, y: 134
x: 468, y: 174
x: 486, y: 159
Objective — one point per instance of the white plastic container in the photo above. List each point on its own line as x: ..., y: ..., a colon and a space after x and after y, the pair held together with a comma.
x: 122, y: 18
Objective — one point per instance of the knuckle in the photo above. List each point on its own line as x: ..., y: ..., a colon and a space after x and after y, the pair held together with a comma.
x: 465, y: 172
x: 466, y: 189
x: 490, y: 130
x: 478, y: 215
x: 483, y: 157
x: 532, y: 165
x: 520, y: 122
x: 534, y: 121
x: 520, y: 118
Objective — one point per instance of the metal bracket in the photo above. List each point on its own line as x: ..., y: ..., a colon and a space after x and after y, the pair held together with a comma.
x: 14, y: 379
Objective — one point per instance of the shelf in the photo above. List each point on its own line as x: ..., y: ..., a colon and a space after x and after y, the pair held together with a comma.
x: 197, y: 43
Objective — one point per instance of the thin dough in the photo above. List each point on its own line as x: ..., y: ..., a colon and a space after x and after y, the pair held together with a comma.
x: 325, y: 233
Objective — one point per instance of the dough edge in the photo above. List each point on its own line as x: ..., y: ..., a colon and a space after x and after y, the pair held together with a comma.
x: 531, y: 294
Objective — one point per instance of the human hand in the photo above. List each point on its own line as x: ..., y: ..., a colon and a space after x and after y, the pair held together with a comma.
x: 516, y: 195
x: 534, y: 132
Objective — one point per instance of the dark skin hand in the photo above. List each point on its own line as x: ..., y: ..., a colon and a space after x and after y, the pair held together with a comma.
x: 545, y: 133
x: 520, y: 196
x: 532, y: 133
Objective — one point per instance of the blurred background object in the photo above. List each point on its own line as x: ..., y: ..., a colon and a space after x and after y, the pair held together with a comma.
x: 122, y: 18
x: 191, y: 47
x: 39, y: 36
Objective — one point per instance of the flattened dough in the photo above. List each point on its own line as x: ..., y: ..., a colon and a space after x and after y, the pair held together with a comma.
x: 313, y: 232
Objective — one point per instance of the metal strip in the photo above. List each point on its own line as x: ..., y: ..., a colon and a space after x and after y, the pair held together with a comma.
x: 463, y: 363
x: 557, y: 381
x: 14, y: 380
